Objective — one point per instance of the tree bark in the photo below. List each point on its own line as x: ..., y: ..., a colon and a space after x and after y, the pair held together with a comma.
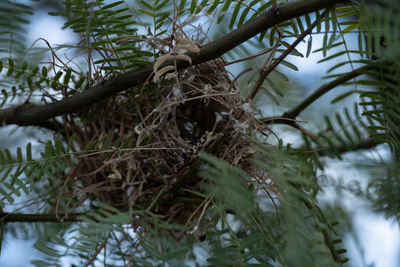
x: 25, y: 115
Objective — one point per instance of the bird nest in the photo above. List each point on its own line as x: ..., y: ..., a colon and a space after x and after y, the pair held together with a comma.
x: 142, y: 146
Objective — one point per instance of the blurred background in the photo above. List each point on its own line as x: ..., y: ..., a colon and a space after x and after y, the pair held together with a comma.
x: 374, y: 239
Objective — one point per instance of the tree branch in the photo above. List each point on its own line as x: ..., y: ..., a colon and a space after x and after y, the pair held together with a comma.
x: 265, y: 72
x: 18, y: 217
x: 289, y: 116
x: 365, y: 144
x: 326, y: 88
x: 37, y: 115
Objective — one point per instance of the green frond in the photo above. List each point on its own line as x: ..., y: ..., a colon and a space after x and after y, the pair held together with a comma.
x: 342, y: 132
x: 385, y: 191
x: 23, y: 173
x: 109, y: 31
x: 296, y: 187
x: 14, y: 18
x: 136, y: 186
x: 21, y: 80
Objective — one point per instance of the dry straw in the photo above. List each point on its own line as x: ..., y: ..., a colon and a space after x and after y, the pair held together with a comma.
x: 143, y: 144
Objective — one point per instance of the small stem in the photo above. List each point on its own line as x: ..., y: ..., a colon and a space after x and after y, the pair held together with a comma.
x: 248, y: 58
x: 291, y: 115
x: 93, y: 258
x: 18, y: 217
x: 326, y: 88
x: 266, y: 72
x: 290, y: 122
x: 365, y: 144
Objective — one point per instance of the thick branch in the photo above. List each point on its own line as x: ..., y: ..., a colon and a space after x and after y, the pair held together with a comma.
x: 36, y: 115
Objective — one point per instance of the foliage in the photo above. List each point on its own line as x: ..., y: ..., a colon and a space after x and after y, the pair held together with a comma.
x: 181, y: 161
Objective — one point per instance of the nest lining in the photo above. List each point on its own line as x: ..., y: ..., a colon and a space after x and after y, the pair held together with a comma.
x: 146, y: 139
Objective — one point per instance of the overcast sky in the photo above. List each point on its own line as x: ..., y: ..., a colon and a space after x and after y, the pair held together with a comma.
x: 380, y: 237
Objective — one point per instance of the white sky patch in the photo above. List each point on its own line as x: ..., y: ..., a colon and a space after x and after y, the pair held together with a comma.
x: 13, y: 249
x: 383, y: 238
x: 49, y: 28
x: 308, y: 65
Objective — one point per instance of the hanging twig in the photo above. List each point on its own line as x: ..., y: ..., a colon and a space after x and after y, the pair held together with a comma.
x: 265, y: 72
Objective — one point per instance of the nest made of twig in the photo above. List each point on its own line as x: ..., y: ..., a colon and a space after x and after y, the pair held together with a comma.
x: 147, y: 139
